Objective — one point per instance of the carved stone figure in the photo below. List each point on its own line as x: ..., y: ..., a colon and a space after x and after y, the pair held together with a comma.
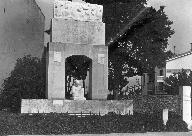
x: 77, y: 91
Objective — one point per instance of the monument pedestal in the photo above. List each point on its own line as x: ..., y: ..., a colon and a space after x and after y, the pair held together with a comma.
x: 77, y: 106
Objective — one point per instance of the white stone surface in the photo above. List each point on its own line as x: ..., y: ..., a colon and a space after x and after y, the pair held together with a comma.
x: 76, y: 106
x: 57, y: 56
x: 77, y: 11
x: 165, y: 116
x: 78, y: 32
x: 185, y: 93
x: 101, y: 58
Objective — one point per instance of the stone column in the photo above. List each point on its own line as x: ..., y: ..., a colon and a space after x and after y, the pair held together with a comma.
x: 185, y: 94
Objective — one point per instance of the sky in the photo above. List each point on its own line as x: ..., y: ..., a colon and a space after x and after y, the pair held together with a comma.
x: 178, y: 11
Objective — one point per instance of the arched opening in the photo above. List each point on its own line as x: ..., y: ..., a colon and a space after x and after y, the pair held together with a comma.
x: 78, y: 67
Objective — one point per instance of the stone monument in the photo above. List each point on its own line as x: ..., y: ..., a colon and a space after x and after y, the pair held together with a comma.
x: 77, y: 29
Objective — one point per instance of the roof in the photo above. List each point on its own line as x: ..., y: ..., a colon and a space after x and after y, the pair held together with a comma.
x: 180, y: 56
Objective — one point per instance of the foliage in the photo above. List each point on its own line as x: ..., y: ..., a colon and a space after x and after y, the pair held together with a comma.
x: 77, y: 66
x: 176, y: 125
x: 55, y: 123
x: 173, y: 82
x: 142, y: 48
x: 26, y: 81
x: 169, y: 54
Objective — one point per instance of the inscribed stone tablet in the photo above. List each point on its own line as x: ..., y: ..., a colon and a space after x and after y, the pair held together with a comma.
x: 57, y: 102
x: 101, y: 58
x: 57, y: 56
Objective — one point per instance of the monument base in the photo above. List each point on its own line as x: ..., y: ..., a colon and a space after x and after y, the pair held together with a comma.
x: 76, y: 106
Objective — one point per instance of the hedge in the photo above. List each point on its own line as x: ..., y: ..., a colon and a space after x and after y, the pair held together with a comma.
x: 55, y: 123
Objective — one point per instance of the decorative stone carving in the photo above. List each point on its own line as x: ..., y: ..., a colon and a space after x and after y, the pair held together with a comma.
x: 77, y: 11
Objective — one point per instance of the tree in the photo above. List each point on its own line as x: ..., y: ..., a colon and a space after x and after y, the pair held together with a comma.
x: 173, y: 82
x: 142, y: 47
x: 76, y: 67
x: 26, y: 81
x: 169, y: 54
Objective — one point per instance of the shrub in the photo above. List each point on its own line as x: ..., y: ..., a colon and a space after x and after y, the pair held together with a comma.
x: 54, y: 123
x: 26, y: 81
x: 176, y: 125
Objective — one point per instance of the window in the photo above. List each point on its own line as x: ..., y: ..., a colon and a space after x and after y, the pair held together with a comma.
x: 151, y: 77
x: 161, y: 72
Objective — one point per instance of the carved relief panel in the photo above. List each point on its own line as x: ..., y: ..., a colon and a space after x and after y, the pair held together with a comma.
x: 78, y: 11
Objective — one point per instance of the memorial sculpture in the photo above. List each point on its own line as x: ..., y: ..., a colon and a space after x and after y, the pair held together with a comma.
x: 77, y: 91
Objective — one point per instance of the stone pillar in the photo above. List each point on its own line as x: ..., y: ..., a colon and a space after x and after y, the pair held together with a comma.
x: 185, y: 94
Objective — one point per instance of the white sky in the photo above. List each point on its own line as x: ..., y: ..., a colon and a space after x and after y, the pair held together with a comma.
x: 179, y: 11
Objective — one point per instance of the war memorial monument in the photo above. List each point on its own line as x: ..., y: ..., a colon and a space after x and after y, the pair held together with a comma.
x: 77, y: 29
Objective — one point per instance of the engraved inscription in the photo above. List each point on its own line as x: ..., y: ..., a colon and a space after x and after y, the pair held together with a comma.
x: 70, y: 31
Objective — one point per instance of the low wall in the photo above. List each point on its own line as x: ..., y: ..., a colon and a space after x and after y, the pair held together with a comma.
x: 151, y: 103
x: 73, y: 106
x: 142, y: 104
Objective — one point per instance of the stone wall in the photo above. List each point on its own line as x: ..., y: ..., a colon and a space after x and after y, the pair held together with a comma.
x: 72, y: 106
x: 152, y: 103
x: 147, y: 104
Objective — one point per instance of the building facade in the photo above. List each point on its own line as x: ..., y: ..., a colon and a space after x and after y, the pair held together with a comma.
x: 179, y: 62
x: 21, y: 33
x: 153, y: 83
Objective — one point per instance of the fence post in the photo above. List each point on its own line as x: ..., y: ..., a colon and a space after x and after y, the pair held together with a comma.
x: 165, y: 116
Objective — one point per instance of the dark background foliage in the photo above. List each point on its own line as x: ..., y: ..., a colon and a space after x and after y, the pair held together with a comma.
x: 26, y: 81
x: 54, y: 123
x: 142, y: 46
x: 172, y: 83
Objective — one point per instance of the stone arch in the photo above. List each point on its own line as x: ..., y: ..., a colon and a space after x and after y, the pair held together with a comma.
x: 58, y: 52
x: 78, y: 67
